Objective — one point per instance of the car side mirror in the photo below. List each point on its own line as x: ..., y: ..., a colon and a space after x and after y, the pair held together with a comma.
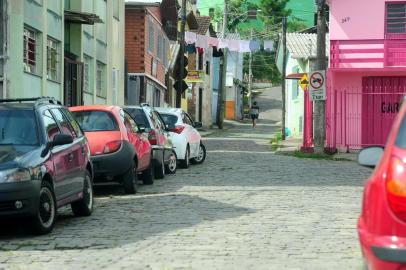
x: 370, y: 156
x: 198, y: 125
x: 61, y: 139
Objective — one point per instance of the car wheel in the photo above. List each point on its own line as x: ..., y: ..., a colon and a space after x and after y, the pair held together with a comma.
x: 130, y: 181
x: 148, y: 175
x: 172, y: 165
x: 201, y: 156
x: 84, y: 207
x: 186, y: 162
x: 44, y: 220
x: 160, y: 169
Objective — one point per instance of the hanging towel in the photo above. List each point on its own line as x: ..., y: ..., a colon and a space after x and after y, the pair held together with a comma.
x: 214, y: 42
x: 244, y: 46
x: 190, y: 38
x: 190, y: 48
x: 217, y: 52
x: 234, y: 45
x: 201, y: 41
x: 254, y: 45
x: 268, y: 45
x: 223, y: 43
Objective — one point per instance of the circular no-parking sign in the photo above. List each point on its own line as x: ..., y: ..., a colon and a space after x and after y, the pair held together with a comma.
x: 317, y: 80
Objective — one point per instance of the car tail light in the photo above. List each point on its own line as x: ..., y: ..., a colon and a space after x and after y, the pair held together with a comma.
x: 396, y: 187
x: 152, y: 138
x: 112, y: 147
x: 178, y: 129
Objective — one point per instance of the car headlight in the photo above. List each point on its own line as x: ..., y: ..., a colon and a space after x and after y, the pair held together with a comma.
x: 15, y: 175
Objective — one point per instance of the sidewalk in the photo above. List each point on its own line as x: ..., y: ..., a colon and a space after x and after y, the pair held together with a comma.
x: 292, y: 144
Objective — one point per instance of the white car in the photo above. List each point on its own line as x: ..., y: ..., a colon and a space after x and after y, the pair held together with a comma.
x: 185, y: 138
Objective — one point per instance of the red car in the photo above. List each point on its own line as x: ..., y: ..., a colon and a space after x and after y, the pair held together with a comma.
x: 119, y: 150
x: 382, y: 223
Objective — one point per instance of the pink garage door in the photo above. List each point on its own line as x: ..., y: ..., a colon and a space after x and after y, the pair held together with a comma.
x: 380, y: 104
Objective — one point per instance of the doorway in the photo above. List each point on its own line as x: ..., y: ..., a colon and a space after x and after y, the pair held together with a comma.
x: 73, y: 82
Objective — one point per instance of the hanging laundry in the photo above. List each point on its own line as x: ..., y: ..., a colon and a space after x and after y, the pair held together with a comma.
x: 190, y: 38
x: 223, y: 43
x: 190, y: 48
x: 214, y: 42
x: 201, y: 42
x: 234, y: 45
x: 217, y: 52
x: 268, y: 45
x: 254, y: 45
x: 244, y: 46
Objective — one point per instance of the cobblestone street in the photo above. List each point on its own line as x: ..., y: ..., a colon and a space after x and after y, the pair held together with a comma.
x: 244, y: 208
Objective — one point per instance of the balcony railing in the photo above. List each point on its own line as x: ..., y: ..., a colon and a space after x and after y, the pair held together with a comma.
x: 380, y: 53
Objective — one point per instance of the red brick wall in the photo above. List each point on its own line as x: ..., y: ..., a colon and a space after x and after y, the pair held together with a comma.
x: 135, y: 39
x: 136, y: 44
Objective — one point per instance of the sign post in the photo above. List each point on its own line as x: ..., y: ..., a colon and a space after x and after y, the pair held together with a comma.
x: 317, y: 85
x: 304, y: 82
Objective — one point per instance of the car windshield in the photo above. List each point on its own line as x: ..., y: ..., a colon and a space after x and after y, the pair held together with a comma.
x: 96, y: 120
x: 139, y: 117
x: 18, y: 127
x: 169, y: 119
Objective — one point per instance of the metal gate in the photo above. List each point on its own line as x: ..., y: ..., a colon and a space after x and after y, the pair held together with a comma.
x: 363, y: 117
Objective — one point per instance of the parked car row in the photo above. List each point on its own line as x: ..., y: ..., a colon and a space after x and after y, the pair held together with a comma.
x: 51, y: 156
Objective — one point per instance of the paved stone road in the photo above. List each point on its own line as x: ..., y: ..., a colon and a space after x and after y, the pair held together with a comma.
x: 245, y: 208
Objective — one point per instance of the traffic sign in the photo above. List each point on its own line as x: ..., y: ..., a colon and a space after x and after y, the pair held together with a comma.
x: 304, y: 82
x: 317, y: 85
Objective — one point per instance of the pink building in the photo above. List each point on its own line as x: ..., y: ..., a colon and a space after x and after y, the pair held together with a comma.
x: 367, y: 74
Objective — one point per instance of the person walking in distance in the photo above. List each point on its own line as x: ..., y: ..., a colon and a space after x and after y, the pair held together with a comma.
x: 254, y: 114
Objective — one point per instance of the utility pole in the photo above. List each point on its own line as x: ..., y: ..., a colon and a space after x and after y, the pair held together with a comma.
x: 222, y: 90
x: 284, y: 29
x: 250, y: 75
x: 320, y: 108
x: 181, y: 52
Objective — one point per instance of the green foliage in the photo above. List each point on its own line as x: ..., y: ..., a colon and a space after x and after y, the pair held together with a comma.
x: 275, y: 10
x: 296, y: 26
x: 263, y: 66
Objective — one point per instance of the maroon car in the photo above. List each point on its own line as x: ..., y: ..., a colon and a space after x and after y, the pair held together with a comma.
x: 44, y: 162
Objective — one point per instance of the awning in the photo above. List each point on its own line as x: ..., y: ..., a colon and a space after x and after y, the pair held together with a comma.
x: 295, y: 76
x: 81, y: 17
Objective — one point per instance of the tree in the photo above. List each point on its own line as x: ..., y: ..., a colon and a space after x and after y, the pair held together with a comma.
x: 274, y: 11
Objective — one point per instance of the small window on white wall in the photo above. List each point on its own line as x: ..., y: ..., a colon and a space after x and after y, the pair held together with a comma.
x: 31, y: 50
x: 100, y: 89
x: 87, y: 76
x: 53, y: 59
x: 115, y: 82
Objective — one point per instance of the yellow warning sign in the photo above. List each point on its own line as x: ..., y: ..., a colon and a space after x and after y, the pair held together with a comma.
x: 304, y: 82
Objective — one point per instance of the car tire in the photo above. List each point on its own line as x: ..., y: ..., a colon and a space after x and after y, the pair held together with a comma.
x: 185, y: 162
x: 44, y: 220
x: 171, y: 167
x: 160, y: 168
x: 201, y: 156
x: 84, y: 207
x: 130, y: 180
x: 148, y: 175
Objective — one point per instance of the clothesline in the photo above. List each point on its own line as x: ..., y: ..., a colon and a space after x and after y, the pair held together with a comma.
x: 234, y: 45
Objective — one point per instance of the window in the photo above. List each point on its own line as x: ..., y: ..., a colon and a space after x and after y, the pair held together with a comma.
x: 396, y: 18
x: 139, y: 117
x: 31, y: 43
x: 100, y: 80
x: 295, y: 84
x: 169, y: 119
x: 150, y: 36
x: 200, y: 61
x: 72, y: 122
x: 51, y: 127
x: 159, y: 47
x: 165, y: 52
x: 130, y: 124
x: 96, y: 121
x: 154, y: 67
x: 87, y: 87
x: 63, y: 123
x: 18, y: 127
x: 207, y: 67
x: 53, y: 56
x: 187, y: 120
